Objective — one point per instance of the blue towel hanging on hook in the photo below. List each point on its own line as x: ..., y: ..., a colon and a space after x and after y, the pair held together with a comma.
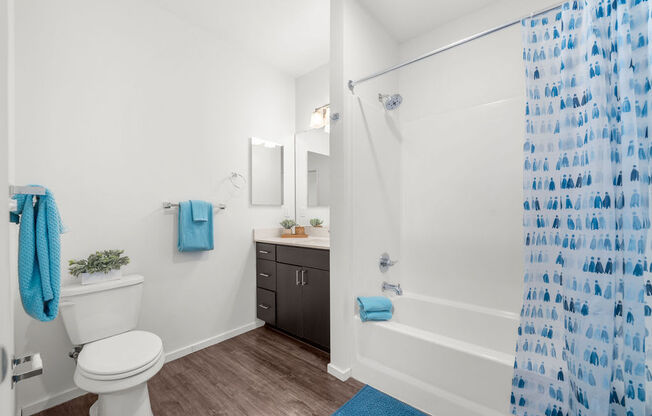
x: 39, y: 251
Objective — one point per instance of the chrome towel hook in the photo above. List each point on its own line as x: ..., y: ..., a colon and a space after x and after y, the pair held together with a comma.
x: 235, y: 177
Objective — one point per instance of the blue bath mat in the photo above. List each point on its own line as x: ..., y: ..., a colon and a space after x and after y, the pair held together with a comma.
x: 371, y: 402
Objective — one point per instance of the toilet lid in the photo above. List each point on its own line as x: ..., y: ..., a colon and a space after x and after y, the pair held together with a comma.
x: 119, y: 354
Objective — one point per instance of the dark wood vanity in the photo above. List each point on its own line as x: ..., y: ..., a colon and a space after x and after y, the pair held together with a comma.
x: 293, y: 291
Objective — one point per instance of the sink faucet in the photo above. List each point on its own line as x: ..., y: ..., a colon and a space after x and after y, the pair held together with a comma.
x: 396, y: 288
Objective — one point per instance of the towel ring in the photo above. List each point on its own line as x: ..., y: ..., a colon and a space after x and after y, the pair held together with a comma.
x: 234, y: 179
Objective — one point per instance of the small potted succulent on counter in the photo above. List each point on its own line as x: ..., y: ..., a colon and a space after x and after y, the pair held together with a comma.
x: 99, y: 267
x: 287, y: 225
x: 316, y: 222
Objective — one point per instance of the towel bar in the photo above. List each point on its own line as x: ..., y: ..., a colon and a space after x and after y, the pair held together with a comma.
x: 26, y: 190
x: 168, y: 205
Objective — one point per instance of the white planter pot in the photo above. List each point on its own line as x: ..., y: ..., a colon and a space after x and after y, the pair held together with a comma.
x: 90, y: 278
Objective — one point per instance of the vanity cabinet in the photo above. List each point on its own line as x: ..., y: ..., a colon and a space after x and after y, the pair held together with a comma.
x: 293, y: 291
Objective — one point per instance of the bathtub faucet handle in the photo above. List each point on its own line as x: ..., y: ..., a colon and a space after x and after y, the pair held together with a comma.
x: 385, y: 262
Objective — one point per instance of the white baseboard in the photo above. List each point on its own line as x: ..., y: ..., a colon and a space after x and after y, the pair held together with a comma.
x: 181, y: 352
x: 73, y: 393
x: 48, y: 402
x: 338, y: 373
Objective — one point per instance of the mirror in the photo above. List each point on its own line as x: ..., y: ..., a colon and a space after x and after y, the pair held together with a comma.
x: 266, y: 172
x: 318, y: 180
x: 312, y: 182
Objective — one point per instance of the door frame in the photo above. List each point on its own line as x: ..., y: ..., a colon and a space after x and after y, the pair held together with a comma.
x: 7, y: 393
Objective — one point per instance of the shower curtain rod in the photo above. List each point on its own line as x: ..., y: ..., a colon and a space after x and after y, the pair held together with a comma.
x: 353, y: 83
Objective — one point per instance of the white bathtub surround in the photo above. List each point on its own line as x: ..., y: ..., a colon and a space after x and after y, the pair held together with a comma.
x: 317, y: 238
x: 409, y: 182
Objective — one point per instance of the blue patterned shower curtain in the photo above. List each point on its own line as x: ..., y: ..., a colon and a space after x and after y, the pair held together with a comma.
x: 584, y: 330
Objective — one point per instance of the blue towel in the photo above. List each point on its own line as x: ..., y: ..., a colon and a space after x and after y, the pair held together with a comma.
x: 195, y: 235
x: 39, y: 250
x: 201, y: 210
x: 375, y: 316
x: 375, y: 308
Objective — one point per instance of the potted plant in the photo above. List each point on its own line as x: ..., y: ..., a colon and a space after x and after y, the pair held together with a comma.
x: 99, y: 267
x: 316, y: 222
x: 287, y: 225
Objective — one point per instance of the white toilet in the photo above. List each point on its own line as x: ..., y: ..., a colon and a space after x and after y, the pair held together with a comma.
x: 116, y: 361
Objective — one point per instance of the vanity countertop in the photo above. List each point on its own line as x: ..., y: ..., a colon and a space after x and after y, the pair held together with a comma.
x: 319, y: 240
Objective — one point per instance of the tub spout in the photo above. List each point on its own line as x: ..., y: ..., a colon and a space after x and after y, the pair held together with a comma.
x: 396, y: 288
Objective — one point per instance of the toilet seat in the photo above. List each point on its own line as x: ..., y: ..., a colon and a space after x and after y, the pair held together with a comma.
x: 120, y: 356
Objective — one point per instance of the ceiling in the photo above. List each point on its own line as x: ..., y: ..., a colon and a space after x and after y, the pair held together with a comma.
x: 406, y: 19
x: 292, y: 35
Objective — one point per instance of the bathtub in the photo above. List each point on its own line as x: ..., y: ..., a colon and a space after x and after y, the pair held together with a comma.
x: 445, y: 358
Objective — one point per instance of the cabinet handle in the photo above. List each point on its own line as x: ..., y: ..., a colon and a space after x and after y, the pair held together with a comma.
x: 263, y: 275
x: 263, y: 252
x: 296, y: 275
x: 263, y: 306
x: 303, y: 278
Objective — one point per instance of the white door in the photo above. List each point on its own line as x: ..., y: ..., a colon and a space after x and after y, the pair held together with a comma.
x: 7, y: 398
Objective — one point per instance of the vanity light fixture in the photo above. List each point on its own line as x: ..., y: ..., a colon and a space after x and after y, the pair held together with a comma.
x: 320, y: 118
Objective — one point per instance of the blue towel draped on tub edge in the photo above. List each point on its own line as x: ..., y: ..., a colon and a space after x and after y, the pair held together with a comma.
x: 195, y: 226
x: 375, y: 308
x: 39, y: 251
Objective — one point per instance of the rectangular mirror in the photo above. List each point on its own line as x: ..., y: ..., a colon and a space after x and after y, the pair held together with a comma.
x: 312, y: 181
x: 318, y: 180
x: 266, y: 172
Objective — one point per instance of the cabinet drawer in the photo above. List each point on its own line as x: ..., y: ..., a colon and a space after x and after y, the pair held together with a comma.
x: 266, y: 306
x: 266, y: 274
x: 266, y: 251
x: 308, y: 257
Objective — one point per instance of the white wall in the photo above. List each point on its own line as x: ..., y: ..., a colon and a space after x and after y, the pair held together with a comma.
x: 462, y: 122
x: 437, y: 183
x: 120, y: 106
x: 365, y: 156
x: 311, y: 92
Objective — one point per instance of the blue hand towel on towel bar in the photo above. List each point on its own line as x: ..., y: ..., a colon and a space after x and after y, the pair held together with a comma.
x: 39, y: 254
x: 195, y: 226
x: 375, y: 308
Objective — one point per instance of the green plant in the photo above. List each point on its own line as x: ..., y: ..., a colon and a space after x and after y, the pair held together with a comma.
x: 100, y: 262
x: 316, y: 222
x: 287, y: 224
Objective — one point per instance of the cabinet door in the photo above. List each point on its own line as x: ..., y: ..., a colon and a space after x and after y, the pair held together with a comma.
x: 315, y: 304
x: 288, y: 298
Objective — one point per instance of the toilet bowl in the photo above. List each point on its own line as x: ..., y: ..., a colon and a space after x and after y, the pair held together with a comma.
x: 115, y: 360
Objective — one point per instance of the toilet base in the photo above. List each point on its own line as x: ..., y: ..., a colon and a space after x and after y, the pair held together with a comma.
x: 132, y: 402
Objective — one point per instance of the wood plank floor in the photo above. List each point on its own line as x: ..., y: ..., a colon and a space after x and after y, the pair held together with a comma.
x: 261, y: 372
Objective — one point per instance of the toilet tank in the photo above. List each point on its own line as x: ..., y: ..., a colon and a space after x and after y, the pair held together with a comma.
x: 100, y: 310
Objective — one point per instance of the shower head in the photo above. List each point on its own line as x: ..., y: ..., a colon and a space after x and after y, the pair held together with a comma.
x: 390, y: 102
